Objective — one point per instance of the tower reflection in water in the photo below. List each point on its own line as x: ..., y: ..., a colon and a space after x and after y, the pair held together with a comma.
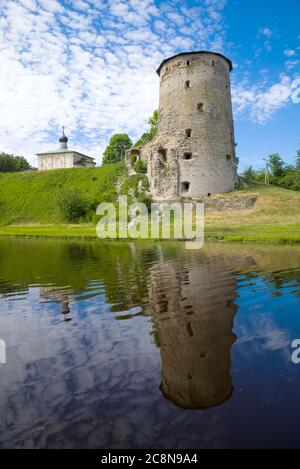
x: 191, y: 301
x: 51, y: 293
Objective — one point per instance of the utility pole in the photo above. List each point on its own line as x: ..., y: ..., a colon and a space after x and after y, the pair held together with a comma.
x: 266, y: 171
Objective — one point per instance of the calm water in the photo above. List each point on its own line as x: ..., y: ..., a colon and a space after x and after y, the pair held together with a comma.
x: 122, y: 345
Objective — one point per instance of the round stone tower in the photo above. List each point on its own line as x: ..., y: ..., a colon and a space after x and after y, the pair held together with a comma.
x: 193, y: 154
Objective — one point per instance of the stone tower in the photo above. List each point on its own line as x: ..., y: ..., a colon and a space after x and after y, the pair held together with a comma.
x: 193, y: 154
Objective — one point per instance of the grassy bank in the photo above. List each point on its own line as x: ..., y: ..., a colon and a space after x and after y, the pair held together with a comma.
x: 32, y: 197
x: 28, y: 207
x: 277, y: 234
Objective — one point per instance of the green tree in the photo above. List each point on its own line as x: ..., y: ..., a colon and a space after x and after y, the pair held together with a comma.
x: 72, y: 205
x: 115, y: 151
x: 148, y: 136
x: 276, y: 165
x: 249, y: 174
x: 11, y: 163
x: 298, y: 160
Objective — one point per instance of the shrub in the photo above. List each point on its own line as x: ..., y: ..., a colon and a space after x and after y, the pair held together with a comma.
x: 145, y: 199
x: 133, y: 158
x: 140, y: 167
x: 145, y: 183
x: 73, y: 205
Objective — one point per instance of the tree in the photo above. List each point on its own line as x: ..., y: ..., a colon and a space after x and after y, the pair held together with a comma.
x: 21, y: 163
x: 298, y: 160
x: 72, y: 205
x: 276, y: 165
x: 249, y: 174
x: 148, y: 136
x: 115, y: 151
x: 11, y: 163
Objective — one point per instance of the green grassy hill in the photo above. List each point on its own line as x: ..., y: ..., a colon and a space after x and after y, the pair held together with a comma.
x: 275, y: 217
x: 31, y: 197
x: 29, y: 206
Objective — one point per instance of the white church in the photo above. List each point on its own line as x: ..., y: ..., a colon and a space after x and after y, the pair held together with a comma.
x: 63, y: 157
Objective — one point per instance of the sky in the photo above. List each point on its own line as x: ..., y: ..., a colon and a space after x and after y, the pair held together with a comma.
x: 90, y: 65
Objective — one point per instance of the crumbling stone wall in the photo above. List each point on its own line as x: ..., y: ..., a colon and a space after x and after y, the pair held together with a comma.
x: 193, y: 154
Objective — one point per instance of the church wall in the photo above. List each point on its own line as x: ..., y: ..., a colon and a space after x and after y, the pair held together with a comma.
x: 55, y: 161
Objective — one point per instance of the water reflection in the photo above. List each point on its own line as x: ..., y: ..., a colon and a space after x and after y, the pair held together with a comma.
x: 108, y: 344
x: 50, y: 293
x: 194, y: 327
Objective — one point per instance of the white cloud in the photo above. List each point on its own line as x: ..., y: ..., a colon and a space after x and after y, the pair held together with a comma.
x: 289, y: 53
x: 262, y: 100
x: 290, y: 64
x: 267, y: 32
x: 90, y: 66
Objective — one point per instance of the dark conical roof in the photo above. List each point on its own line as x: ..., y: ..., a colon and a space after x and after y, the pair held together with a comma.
x: 63, y: 138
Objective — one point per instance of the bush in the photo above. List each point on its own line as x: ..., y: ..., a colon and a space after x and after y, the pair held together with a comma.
x: 145, y: 183
x: 133, y: 158
x: 140, y: 167
x: 73, y: 205
x: 145, y: 199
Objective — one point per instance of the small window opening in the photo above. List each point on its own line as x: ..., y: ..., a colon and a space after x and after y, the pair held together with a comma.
x: 228, y: 157
x: 161, y: 165
x: 187, y: 84
x: 200, y: 107
x: 209, y: 194
x: 163, y: 154
x: 188, y: 133
x: 187, y: 156
x: 185, y: 186
x: 213, y: 63
x: 188, y: 62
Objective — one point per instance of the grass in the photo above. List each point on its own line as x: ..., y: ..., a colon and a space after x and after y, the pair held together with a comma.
x: 50, y: 231
x: 275, y: 218
x: 28, y: 207
x: 31, y: 197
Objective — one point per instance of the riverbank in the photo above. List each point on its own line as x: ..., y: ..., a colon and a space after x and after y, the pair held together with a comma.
x: 272, y: 233
x: 28, y: 207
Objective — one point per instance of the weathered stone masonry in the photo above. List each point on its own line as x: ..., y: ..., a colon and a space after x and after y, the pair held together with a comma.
x: 193, y: 154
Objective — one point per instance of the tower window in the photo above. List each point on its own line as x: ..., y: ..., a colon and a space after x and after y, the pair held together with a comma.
x: 187, y: 156
x: 163, y: 154
x: 228, y: 158
x: 213, y: 63
x: 188, y: 133
x: 188, y: 62
x: 187, y: 84
x: 200, y: 107
x: 185, y: 186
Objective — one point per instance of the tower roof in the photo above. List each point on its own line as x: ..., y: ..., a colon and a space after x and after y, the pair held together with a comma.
x: 63, y: 138
x: 194, y: 53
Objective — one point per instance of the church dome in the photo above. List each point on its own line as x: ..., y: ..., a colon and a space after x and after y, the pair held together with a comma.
x: 63, y: 138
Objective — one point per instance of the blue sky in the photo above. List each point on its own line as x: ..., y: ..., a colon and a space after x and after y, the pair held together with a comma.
x: 90, y: 65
